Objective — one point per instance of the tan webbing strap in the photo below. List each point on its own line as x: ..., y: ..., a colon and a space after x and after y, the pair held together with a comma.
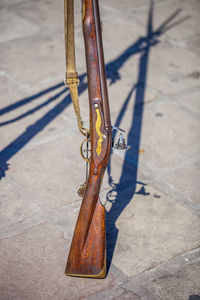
x: 72, y: 80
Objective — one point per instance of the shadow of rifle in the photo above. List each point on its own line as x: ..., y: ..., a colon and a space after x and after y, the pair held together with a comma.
x: 128, y: 179
x: 142, y: 46
x: 16, y: 145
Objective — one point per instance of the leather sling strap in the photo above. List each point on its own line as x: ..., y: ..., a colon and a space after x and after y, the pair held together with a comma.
x: 71, y: 80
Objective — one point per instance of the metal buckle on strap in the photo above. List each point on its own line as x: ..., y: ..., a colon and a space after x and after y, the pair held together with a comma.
x: 71, y: 78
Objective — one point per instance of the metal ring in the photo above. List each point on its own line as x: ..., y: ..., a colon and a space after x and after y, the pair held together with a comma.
x: 81, y: 151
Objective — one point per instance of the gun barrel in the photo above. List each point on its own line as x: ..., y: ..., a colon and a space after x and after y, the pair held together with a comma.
x: 102, y: 70
x: 95, y: 61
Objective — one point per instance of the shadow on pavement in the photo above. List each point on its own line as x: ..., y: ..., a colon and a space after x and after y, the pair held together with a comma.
x: 121, y: 193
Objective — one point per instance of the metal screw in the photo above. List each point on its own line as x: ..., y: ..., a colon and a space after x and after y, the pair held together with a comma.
x: 96, y: 105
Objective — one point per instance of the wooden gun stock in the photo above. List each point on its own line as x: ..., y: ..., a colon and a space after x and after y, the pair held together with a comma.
x: 87, y: 256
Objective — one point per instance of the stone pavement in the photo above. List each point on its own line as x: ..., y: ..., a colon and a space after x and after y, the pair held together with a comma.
x: 152, y: 199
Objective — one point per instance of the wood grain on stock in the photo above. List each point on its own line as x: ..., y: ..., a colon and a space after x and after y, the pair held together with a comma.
x: 87, y: 256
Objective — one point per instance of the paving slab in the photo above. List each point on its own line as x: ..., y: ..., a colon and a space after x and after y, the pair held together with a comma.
x: 115, y: 293
x: 177, y: 142
x: 178, y: 17
x: 186, y: 180
x: 128, y: 8
x: 31, y: 114
x: 55, y: 188
x: 22, y: 26
x: 190, y: 98
x: 48, y: 15
x: 18, y: 211
x: 193, y: 44
x: 149, y: 229
x: 166, y: 149
x: 34, y: 67
x: 173, y: 67
x: 9, y: 92
x: 176, y: 279
x: 32, y: 267
x: 9, y: 3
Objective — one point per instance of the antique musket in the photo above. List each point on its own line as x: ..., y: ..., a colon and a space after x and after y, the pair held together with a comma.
x: 87, y: 255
